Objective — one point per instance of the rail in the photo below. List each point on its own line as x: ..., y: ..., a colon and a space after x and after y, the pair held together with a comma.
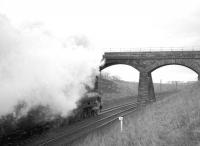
x: 103, y: 117
x: 66, y: 138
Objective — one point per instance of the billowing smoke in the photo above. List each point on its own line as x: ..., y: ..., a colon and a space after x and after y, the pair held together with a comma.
x: 37, y: 69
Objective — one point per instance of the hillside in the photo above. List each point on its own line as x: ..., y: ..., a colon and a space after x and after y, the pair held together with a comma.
x: 117, y: 89
x: 172, y: 121
x: 112, y: 89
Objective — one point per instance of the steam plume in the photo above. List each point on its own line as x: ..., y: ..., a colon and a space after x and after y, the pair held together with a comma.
x: 40, y: 70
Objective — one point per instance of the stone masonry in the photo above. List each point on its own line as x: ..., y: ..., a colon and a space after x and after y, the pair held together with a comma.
x: 146, y: 62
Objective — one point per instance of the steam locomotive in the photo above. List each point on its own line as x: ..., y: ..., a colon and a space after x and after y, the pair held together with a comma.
x: 88, y: 106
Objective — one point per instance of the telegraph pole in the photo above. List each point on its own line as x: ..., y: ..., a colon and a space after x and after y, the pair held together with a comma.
x: 176, y: 85
x: 160, y: 85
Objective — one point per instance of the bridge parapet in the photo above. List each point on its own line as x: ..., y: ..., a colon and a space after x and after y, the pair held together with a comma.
x: 153, y: 55
x: 152, y: 49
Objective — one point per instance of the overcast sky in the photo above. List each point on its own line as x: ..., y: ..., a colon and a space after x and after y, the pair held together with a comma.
x: 115, y: 24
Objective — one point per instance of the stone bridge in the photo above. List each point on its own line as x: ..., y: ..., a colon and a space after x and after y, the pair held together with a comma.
x: 146, y: 62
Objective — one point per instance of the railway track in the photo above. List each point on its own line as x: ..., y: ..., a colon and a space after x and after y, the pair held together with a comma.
x: 67, y: 135
x: 115, y: 107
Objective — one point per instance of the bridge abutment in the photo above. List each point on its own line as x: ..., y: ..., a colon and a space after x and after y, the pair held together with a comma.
x: 145, y: 89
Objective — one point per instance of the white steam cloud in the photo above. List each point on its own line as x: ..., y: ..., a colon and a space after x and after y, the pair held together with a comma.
x: 38, y: 69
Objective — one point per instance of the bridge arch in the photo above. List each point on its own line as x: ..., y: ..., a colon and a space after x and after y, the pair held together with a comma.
x: 173, y: 72
x: 124, y: 72
x: 147, y: 62
x: 118, y: 74
x: 189, y: 64
x: 109, y: 64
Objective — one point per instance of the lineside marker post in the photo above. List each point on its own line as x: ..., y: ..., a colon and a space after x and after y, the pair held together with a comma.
x: 121, y: 123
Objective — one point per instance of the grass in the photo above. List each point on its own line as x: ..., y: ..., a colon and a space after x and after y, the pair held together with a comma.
x: 172, y: 121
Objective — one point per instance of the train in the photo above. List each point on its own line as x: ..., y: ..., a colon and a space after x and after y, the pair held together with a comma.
x: 89, y: 106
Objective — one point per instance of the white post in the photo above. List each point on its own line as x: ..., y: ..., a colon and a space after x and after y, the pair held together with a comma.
x: 121, y: 123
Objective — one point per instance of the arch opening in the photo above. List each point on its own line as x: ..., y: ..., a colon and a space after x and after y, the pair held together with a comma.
x: 175, y: 72
x: 172, y: 77
x: 109, y: 64
x: 119, y: 81
x: 123, y: 72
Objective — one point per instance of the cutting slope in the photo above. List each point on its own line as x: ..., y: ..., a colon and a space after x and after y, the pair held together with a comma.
x: 172, y: 121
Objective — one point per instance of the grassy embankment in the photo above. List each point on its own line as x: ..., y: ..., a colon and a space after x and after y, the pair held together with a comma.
x: 172, y: 121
